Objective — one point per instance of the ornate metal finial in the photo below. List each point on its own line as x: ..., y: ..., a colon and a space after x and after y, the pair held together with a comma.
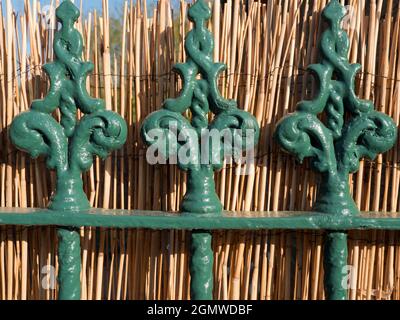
x: 70, y: 145
x: 199, y: 96
x: 336, y: 147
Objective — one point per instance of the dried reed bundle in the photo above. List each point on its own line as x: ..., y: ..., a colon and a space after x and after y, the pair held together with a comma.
x: 267, y: 49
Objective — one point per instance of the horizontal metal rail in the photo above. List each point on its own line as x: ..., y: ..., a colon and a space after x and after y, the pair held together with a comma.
x: 201, y: 270
x: 227, y: 221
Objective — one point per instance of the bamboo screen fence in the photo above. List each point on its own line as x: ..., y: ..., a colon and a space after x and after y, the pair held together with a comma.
x: 267, y: 50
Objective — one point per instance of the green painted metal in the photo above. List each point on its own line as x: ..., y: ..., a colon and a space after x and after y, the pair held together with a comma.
x: 69, y: 255
x: 227, y: 221
x: 335, y: 259
x: 69, y: 145
x: 201, y: 266
x: 336, y: 147
x: 335, y: 262
x: 200, y: 97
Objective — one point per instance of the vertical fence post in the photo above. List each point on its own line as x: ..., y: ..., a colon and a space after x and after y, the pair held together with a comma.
x: 69, y: 259
x: 335, y: 262
x: 352, y: 130
x: 200, y: 97
x: 71, y: 144
x: 201, y: 266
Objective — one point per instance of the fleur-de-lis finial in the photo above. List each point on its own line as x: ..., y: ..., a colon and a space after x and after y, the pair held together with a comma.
x: 69, y: 145
x: 198, y: 97
x: 336, y: 147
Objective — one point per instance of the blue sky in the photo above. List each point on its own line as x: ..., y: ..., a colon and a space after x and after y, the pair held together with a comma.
x: 115, y: 6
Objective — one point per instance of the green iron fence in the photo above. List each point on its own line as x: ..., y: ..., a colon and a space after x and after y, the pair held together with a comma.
x: 351, y: 130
